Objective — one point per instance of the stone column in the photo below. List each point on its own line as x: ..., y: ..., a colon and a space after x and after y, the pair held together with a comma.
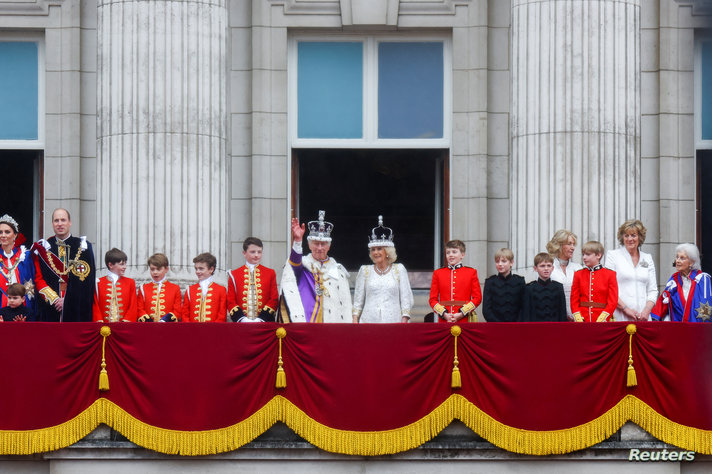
x: 575, y: 120
x: 161, y: 131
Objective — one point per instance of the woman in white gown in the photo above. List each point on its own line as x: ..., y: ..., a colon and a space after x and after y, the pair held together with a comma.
x: 382, y: 293
x: 561, y: 247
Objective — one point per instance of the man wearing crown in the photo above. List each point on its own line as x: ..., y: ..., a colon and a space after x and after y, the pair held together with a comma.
x: 315, y: 288
x: 64, y: 270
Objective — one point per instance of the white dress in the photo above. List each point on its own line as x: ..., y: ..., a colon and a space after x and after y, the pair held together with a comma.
x: 636, y: 284
x: 382, y: 298
x: 565, y: 279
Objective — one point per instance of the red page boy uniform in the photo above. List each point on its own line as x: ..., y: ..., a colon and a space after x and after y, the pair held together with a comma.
x: 594, y: 294
x: 454, y: 289
x: 115, y: 299
x: 252, y: 294
x: 159, y: 301
x: 205, y: 302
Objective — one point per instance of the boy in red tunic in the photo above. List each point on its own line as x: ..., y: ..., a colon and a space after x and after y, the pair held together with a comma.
x: 159, y: 300
x: 594, y: 291
x: 252, y: 289
x: 205, y: 301
x: 455, y: 290
x: 115, y: 297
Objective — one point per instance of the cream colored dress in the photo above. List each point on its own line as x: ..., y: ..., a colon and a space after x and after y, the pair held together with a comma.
x: 382, y: 298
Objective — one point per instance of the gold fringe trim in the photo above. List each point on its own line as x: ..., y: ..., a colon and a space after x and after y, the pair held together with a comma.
x: 362, y: 443
x: 54, y: 437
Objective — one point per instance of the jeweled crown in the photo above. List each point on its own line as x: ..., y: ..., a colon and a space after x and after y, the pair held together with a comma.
x: 320, y: 229
x: 381, y: 236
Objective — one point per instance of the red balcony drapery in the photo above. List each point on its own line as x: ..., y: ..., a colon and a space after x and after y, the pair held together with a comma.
x: 535, y: 388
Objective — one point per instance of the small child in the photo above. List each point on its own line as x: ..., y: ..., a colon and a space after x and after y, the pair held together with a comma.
x: 455, y: 289
x: 15, y: 309
x: 594, y: 291
x: 204, y: 301
x: 502, y: 301
x: 159, y: 300
x: 544, y: 298
x: 115, y: 297
x: 252, y: 289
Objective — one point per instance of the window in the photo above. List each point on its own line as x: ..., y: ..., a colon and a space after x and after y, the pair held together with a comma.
x: 373, y: 92
x: 369, y: 127
x: 703, y: 92
x: 21, y: 114
x: 22, y: 128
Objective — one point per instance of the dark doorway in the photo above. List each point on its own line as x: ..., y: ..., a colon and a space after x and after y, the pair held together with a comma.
x: 355, y: 186
x: 704, y: 207
x: 20, y: 172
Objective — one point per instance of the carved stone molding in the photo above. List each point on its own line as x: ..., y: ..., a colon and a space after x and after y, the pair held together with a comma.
x: 27, y: 7
x: 699, y: 7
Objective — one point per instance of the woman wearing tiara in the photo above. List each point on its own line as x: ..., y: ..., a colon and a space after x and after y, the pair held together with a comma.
x: 16, y: 265
x: 382, y: 293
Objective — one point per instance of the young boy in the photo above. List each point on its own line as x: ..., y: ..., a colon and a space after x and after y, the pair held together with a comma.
x: 204, y: 301
x: 159, y: 300
x: 502, y: 301
x: 115, y: 297
x: 15, y: 309
x: 594, y: 291
x: 455, y: 289
x: 252, y: 289
x: 544, y: 298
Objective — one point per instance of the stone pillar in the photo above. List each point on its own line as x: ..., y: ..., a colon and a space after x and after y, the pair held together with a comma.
x: 575, y: 120
x: 161, y: 131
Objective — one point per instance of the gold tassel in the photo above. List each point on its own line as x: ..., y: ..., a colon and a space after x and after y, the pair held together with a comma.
x: 103, y: 375
x: 632, y: 378
x: 456, y: 377
x: 281, y: 381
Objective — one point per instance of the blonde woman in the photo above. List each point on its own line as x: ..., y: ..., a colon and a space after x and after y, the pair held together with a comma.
x: 635, y: 271
x: 561, y: 247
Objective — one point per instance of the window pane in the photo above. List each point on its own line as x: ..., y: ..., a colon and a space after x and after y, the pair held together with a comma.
x: 410, y: 90
x: 18, y: 91
x: 706, y: 90
x: 330, y: 90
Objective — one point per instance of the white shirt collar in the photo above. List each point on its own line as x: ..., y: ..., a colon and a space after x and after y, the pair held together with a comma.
x: 251, y: 266
x: 205, y: 284
x: 113, y: 277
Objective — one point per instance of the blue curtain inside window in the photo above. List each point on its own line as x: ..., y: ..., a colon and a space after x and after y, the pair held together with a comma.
x: 18, y: 91
x: 330, y: 90
x: 706, y: 115
x: 410, y: 90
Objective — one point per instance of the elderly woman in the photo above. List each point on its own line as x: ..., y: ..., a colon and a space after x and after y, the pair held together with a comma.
x: 687, y: 297
x: 16, y: 265
x: 382, y: 293
x: 635, y: 272
x: 561, y: 247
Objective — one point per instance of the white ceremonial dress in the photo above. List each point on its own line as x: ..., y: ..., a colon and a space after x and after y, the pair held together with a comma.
x: 565, y: 279
x: 636, y: 284
x: 382, y: 298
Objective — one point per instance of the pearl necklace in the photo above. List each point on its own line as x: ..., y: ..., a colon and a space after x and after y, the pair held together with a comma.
x: 382, y: 272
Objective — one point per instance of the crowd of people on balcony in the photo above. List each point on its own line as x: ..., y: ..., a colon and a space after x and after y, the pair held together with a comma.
x: 54, y: 281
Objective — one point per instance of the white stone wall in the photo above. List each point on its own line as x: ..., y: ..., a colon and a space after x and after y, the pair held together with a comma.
x: 484, y: 190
